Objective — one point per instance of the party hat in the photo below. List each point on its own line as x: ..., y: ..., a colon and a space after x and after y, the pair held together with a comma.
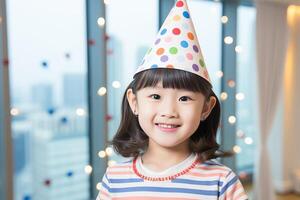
x: 176, y: 45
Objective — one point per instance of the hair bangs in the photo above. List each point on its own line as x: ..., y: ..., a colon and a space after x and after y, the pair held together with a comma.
x: 172, y: 78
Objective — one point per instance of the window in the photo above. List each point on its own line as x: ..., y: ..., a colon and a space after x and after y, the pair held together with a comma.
x: 247, y: 124
x: 206, y: 17
x: 47, y: 49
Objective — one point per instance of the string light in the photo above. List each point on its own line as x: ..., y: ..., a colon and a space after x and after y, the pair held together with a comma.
x: 102, y: 91
x: 238, y: 49
x: 88, y: 169
x: 15, y: 112
x: 101, y: 21
x: 106, y: 2
x: 102, y: 154
x: 219, y: 74
x: 228, y: 40
x: 116, y: 84
x: 224, y: 19
x: 248, y: 140
x: 111, y: 163
x: 237, y: 149
x: 240, y: 96
x: 224, y: 96
x: 109, y: 151
x: 231, y: 83
x: 231, y: 119
x: 98, y: 186
x: 80, y: 112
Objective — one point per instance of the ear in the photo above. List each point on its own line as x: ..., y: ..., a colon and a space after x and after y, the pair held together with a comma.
x: 132, y: 100
x: 208, y: 106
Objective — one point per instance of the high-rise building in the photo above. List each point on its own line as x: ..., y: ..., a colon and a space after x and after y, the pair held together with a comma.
x: 74, y: 90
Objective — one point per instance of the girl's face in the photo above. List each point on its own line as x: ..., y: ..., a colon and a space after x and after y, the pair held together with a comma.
x: 169, y: 116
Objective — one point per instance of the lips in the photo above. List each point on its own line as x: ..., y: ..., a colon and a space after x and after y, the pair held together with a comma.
x: 167, y: 127
x: 170, y: 126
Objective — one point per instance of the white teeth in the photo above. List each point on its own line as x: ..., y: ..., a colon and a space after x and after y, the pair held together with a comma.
x: 167, y: 126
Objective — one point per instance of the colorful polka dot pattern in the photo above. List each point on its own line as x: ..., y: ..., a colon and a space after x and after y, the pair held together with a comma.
x: 176, y: 45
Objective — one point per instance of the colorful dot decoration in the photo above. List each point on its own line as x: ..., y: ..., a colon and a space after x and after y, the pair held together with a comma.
x: 186, y: 14
x: 164, y: 31
x: 173, y: 50
x: 160, y: 51
x: 176, y: 31
x: 179, y: 3
x: 184, y: 44
x: 176, y: 45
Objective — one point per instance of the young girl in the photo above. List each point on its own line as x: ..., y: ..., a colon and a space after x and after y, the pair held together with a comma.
x: 170, y: 117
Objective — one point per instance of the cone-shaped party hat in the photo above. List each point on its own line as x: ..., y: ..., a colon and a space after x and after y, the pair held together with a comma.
x: 176, y: 45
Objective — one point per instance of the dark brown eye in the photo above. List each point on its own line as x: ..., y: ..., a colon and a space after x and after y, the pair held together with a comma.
x: 185, y: 98
x: 155, y: 96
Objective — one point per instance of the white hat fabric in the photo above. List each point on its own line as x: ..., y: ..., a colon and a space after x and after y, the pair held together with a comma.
x: 176, y: 45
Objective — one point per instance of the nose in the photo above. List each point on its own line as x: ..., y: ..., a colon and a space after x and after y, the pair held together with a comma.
x: 168, y: 109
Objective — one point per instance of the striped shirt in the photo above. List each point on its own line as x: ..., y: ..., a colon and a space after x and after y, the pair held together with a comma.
x: 208, y: 180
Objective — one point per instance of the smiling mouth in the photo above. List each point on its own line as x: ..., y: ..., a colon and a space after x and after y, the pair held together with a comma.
x: 167, y: 125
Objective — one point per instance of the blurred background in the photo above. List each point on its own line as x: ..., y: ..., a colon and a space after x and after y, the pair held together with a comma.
x: 66, y: 64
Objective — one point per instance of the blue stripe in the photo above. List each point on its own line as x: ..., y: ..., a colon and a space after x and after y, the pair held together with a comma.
x: 161, y: 189
x: 105, y: 186
x: 194, y: 182
x: 231, y: 182
x: 126, y: 180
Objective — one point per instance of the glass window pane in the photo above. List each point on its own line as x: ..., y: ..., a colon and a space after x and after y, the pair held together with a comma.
x: 247, y: 125
x: 47, y: 49
x: 206, y: 16
x: 131, y: 32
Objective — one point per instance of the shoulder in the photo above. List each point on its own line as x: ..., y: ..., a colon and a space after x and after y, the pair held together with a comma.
x: 120, y: 168
x: 214, y: 165
x: 212, y: 168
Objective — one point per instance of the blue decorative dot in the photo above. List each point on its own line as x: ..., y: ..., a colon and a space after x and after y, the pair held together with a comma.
x: 70, y: 173
x: 163, y: 31
x: 51, y: 111
x: 186, y: 14
x: 64, y: 120
x: 184, y: 44
x: 27, y: 197
x: 45, y: 64
x: 154, y: 66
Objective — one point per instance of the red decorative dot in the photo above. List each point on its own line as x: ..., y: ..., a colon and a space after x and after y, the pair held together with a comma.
x: 47, y: 182
x: 179, y: 4
x: 176, y: 31
x: 91, y: 42
x: 106, y: 37
x: 108, y: 118
x: 5, y: 62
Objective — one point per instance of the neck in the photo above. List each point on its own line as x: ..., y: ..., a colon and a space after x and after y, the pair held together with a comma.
x: 154, y: 155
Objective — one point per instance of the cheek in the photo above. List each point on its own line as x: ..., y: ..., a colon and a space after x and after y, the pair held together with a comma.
x: 192, y: 116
